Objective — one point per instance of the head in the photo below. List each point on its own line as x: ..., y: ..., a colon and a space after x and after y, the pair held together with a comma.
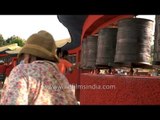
x: 65, y: 54
x: 39, y: 46
x: 59, y: 52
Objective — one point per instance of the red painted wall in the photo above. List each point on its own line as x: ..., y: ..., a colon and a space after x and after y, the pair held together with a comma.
x: 74, y: 79
x: 128, y: 90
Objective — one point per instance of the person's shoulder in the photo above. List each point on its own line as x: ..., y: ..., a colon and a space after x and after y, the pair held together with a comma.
x: 51, y: 64
x: 17, y: 70
x: 19, y: 66
x: 67, y: 63
x: 63, y: 61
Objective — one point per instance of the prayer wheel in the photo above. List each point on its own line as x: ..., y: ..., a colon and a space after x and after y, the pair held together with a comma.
x: 156, y: 47
x: 83, y: 54
x: 134, y: 42
x: 91, y: 51
x: 107, y: 39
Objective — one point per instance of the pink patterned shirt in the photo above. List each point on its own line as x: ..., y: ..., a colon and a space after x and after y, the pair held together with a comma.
x: 37, y: 83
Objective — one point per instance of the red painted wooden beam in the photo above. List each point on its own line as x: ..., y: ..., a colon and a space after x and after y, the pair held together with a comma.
x: 94, y: 23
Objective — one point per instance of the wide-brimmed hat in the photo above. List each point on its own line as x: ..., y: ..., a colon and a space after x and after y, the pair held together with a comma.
x: 42, y: 45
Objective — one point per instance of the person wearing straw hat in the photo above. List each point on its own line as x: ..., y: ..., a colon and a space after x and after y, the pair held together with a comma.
x: 38, y: 81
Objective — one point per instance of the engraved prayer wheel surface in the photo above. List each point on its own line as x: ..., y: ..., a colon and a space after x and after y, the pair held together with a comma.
x: 107, y: 39
x: 134, y: 42
x: 156, y: 50
x: 91, y: 51
x: 83, y: 54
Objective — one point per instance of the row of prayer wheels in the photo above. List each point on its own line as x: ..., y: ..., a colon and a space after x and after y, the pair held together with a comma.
x: 127, y: 45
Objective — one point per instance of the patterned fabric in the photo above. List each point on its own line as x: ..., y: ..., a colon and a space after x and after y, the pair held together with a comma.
x: 37, y: 83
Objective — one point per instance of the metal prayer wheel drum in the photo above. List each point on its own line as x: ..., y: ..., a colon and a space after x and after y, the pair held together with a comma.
x: 107, y: 39
x: 83, y: 54
x: 156, y: 47
x: 134, y: 42
x: 91, y: 51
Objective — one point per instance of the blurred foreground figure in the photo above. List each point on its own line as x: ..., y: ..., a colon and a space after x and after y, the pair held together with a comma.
x: 37, y: 81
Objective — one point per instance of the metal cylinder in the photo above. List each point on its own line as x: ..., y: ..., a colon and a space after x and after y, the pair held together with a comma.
x: 107, y: 39
x: 134, y: 41
x: 156, y: 47
x: 83, y: 54
x: 91, y: 51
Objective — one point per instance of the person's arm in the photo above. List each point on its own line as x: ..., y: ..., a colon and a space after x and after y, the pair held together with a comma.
x: 14, y: 91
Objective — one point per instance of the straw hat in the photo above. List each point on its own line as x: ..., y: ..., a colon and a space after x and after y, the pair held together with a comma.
x: 41, y: 45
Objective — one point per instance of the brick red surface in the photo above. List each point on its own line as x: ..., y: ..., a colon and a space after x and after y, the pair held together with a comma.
x: 129, y: 90
x: 73, y: 79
